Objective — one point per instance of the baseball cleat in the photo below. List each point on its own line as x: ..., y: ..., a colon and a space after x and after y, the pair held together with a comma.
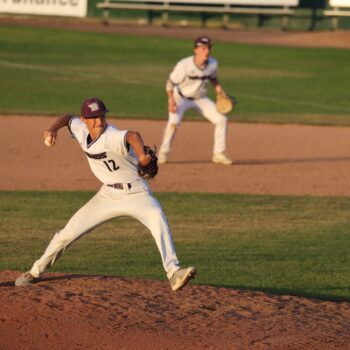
x: 221, y: 158
x: 26, y: 279
x: 162, y: 158
x: 180, y: 277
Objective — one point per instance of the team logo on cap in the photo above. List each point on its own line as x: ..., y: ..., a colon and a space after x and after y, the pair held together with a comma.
x: 93, y: 106
x: 202, y: 40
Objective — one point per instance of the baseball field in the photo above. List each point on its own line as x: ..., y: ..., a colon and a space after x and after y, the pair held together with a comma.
x: 269, y: 235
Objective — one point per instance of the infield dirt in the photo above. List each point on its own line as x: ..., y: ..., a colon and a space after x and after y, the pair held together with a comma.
x: 268, y: 159
x: 67, y: 311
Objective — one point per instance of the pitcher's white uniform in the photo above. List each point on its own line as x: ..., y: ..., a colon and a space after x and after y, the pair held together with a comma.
x: 123, y: 193
x: 190, y: 89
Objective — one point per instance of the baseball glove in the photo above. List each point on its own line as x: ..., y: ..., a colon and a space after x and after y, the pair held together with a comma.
x: 150, y: 170
x: 225, y: 103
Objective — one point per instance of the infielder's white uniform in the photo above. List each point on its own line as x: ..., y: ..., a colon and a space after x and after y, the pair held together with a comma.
x: 190, y: 91
x: 123, y: 193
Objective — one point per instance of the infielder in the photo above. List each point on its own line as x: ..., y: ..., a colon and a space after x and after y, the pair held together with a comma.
x: 115, y: 157
x: 187, y: 88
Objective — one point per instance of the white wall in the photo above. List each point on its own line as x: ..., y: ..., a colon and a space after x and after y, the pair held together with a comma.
x: 72, y: 8
x: 340, y: 3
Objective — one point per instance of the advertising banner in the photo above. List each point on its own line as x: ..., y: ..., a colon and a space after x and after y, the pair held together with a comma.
x: 71, y: 8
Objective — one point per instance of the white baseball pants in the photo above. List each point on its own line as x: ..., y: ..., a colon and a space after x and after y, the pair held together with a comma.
x: 207, y: 108
x: 109, y: 203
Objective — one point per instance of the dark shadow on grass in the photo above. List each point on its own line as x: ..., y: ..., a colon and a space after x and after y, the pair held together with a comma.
x: 292, y: 161
x: 287, y: 292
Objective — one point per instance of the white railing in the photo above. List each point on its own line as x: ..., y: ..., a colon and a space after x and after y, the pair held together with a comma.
x: 339, y: 8
x: 281, y: 8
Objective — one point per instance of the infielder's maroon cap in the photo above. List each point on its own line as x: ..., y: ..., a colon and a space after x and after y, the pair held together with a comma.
x: 202, y: 40
x: 93, y: 107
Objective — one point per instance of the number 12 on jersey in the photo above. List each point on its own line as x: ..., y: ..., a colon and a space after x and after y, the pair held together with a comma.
x: 110, y: 164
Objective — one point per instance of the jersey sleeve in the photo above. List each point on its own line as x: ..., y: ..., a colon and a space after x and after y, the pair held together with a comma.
x: 117, y: 141
x: 77, y: 128
x: 178, y: 75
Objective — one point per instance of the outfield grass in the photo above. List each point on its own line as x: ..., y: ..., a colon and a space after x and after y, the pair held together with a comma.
x: 279, y: 244
x: 50, y: 71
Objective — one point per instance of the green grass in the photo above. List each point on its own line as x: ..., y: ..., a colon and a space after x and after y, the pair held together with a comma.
x: 279, y: 244
x: 50, y: 71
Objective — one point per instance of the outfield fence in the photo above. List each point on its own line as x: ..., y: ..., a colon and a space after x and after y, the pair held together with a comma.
x: 295, y: 14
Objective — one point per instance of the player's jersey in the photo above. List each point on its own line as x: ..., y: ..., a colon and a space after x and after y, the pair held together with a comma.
x: 190, y: 80
x: 109, y: 156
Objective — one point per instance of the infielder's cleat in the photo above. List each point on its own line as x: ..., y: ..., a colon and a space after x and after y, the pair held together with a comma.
x: 26, y: 279
x: 221, y: 158
x: 162, y: 158
x: 180, y: 277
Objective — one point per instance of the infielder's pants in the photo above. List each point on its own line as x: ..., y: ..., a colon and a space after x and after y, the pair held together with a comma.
x: 109, y: 203
x: 207, y: 108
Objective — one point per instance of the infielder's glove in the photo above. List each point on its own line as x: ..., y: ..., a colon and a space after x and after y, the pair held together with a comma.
x: 150, y: 170
x: 225, y: 103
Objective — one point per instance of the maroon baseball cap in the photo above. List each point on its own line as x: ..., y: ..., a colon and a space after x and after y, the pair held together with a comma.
x: 93, y: 107
x: 202, y: 40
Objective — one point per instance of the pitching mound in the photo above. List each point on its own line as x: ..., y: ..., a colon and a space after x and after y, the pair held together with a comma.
x: 94, y: 312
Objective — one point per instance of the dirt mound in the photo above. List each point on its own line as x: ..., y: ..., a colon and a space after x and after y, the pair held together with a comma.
x: 97, y: 312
